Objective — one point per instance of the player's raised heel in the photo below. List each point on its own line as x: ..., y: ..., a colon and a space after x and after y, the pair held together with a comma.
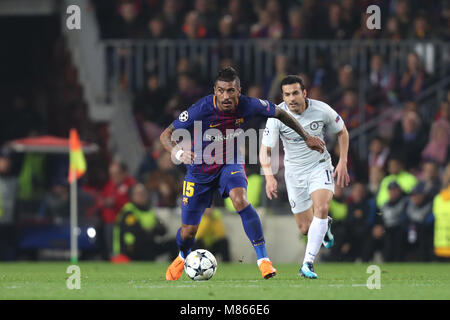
x: 175, y: 270
x: 267, y: 269
x: 307, y: 271
x: 328, y: 241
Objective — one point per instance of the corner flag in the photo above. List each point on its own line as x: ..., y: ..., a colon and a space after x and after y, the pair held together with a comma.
x: 77, y: 165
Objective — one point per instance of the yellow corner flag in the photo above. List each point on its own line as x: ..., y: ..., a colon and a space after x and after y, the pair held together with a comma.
x: 77, y: 165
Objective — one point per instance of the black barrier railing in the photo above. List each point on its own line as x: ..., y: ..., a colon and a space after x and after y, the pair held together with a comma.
x: 255, y: 58
x: 128, y: 61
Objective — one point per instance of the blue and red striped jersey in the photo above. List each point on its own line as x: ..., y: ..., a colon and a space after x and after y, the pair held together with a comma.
x: 218, y: 128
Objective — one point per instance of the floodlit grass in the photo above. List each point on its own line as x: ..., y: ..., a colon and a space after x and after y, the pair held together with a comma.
x: 233, y: 281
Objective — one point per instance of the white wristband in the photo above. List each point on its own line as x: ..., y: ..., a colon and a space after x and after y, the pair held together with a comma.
x: 178, y: 154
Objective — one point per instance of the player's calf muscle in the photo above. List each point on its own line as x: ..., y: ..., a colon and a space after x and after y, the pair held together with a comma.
x: 303, y: 227
x: 303, y: 220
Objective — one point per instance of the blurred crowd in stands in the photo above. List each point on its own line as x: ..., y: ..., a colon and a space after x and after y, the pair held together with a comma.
x: 395, y: 194
x: 288, y: 19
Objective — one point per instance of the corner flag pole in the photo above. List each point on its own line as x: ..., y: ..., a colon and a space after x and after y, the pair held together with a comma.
x: 77, y: 167
x: 73, y: 222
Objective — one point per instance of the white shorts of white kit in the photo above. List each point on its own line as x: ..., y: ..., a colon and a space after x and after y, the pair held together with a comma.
x: 300, y: 185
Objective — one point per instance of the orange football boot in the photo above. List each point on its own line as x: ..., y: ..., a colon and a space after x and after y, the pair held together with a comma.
x: 175, y: 270
x: 267, y: 269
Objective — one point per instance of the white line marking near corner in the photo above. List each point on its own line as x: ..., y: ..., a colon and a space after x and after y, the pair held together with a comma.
x: 359, y: 285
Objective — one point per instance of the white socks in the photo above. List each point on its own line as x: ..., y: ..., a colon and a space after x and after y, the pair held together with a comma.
x: 316, y: 233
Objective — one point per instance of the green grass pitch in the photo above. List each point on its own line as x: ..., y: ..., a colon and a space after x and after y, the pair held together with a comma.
x: 233, y: 281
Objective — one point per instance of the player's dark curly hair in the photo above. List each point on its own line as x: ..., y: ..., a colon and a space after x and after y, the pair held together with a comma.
x: 291, y: 79
x: 228, y: 74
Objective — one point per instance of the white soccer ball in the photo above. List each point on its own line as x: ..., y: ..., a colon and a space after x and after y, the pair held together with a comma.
x: 200, y: 264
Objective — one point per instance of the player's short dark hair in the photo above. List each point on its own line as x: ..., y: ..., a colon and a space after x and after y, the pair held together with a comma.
x: 228, y: 74
x: 291, y: 79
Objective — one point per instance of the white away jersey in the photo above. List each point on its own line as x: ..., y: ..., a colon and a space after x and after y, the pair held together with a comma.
x: 315, y: 119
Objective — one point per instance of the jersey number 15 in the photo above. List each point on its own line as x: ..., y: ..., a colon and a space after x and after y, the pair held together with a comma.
x: 188, y: 188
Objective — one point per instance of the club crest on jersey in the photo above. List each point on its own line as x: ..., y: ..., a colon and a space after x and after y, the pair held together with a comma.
x: 314, y: 125
x: 185, y: 201
x: 239, y: 122
x: 292, y: 203
x: 184, y: 116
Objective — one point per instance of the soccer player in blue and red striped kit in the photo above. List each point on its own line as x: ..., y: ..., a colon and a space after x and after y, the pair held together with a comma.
x: 219, y: 114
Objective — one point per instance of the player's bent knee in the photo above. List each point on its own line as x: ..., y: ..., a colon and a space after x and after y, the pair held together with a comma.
x: 322, y: 211
x: 238, y: 197
x: 240, y: 203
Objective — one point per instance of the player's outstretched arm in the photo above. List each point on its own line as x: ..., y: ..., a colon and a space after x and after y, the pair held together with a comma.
x: 265, y: 160
x: 185, y: 156
x: 340, y: 173
x: 312, y: 142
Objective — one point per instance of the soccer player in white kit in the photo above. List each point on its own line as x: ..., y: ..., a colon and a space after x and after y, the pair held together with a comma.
x: 309, y: 175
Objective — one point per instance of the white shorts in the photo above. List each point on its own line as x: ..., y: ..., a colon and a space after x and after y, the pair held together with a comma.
x: 300, y: 185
